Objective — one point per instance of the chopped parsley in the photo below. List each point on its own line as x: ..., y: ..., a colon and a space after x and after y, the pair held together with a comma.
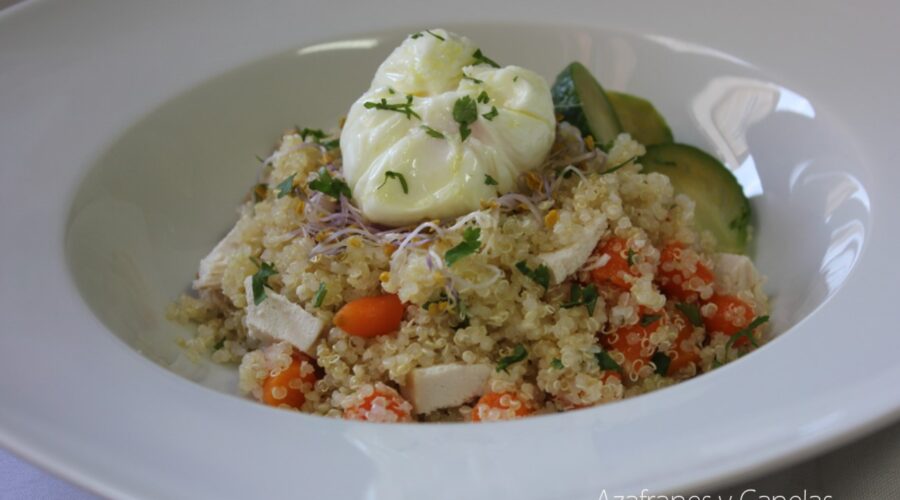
x: 691, y: 312
x: 220, y: 344
x: 320, y: 295
x: 579, y: 296
x: 419, y: 35
x: 649, y: 319
x: 519, y: 353
x: 315, y: 133
x: 329, y: 185
x: 483, y: 97
x: 286, y: 186
x: 490, y: 115
x: 480, y: 58
x: 332, y: 144
x: 747, y: 332
x: 395, y: 175
x: 432, y: 132
x: 465, y: 112
x: 490, y: 181
x: 662, y: 361
x: 441, y: 298
x: 470, y: 244
x: 473, y: 80
x: 404, y: 108
x: 631, y: 255
x: 516, y: 78
x: 540, y: 274
x: 260, y: 280
x: 620, y: 165
x: 557, y: 363
x: 260, y: 159
x: 606, y: 361
x: 391, y: 90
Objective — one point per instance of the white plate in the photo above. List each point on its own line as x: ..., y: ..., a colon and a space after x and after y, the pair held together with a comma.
x: 128, y: 132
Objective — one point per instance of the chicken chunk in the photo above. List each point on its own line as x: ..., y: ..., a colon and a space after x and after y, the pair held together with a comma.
x: 277, y: 318
x: 445, y: 386
x: 567, y: 260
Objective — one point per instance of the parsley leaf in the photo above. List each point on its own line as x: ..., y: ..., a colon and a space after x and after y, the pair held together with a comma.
x: 432, y: 132
x: 606, y: 361
x: 519, y: 353
x: 490, y: 115
x: 474, y: 80
x: 329, y: 185
x: 419, y: 35
x: 662, y: 361
x: 540, y: 274
x: 631, y: 255
x: 404, y: 108
x: 315, y: 133
x: 332, y: 144
x: 490, y: 181
x: 620, y: 165
x: 579, y: 296
x: 516, y: 78
x: 649, y: 319
x: 260, y: 280
x: 691, y: 312
x: 465, y: 112
x: 320, y: 295
x: 395, y: 175
x: 480, y: 58
x: 483, y: 98
x: 557, y: 363
x: 747, y: 332
x: 469, y: 245
x: 285, y: 186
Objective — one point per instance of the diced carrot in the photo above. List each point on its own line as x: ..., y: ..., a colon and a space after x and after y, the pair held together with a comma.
x: 681, y: 274
x: 633, y: 341
x: 500, y: 406
x: 617, y: 267
x: 371, y: 316
x: 379, y: 404
x: 684, y: 352
x: 732, y: 314
x: 287, y: 387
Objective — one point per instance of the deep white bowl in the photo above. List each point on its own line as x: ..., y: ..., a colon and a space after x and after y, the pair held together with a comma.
x: 129, y: 133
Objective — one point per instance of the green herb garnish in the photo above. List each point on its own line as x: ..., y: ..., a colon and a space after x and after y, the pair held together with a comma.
x: 519, y: 353
x: 332, y: 144
x: 332, y: 186
x: 474, y: 80
x: 557, y: 363
x: 631, y: 255
x: 483, y: 97
x: 620, y: 165
x: 419, y: 34
x: 469, y: 245
x: 662, y: 361
x: 490, y: 181
x: 315, y: 133
x: 540, y: 274
x: 260, y: 159
x: 516, y: 78
x: 579, y: 296
x: 490, y: 115
x: 286, y: 186
x: 220, y: 344
x: 691, y: 312
x: 649, y: 319
x: 395, y: 175
x: 320, y: 295
x: 465, y: 112
x: 432, y: 132
x: 606, y: 361
x: 260, y: 280
x: 747, y: 332
x: 480, y: 58
x: 404, y: 108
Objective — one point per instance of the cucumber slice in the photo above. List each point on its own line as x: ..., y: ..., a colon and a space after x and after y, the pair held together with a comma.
x: 720, y: 205
x: 580, y: 99
x: 640, y: 119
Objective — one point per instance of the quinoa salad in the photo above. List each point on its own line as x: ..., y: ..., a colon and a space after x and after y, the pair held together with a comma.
x: 475, y: 244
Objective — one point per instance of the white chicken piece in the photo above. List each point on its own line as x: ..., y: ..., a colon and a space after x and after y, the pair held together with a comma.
x: 405, y: 154
x: 277, y: 318
x: 445, y: 386
x: 734, y: 273
x: 565, y: 261
x: 212, y: 267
